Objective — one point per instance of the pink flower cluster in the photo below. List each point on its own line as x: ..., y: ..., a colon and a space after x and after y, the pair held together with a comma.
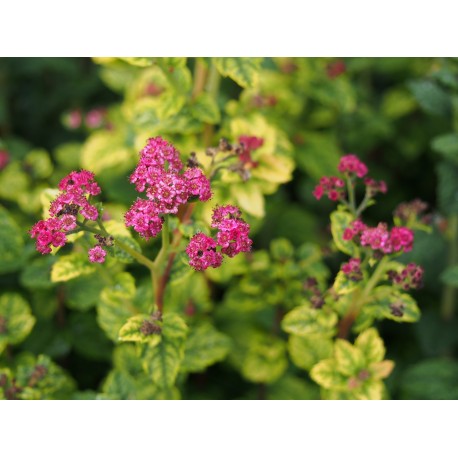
x: 97, y: 254
x: 75, y: 187
x: 232, y: 238
x: 409, y: 278
x: 64, y: 209
x: 158, y: 174
x: 330, y: 186
x: 351, y: 164
x: 380, y: 238
x: 352, y: 269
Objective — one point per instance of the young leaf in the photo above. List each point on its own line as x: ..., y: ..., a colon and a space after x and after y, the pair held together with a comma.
x: 371, y: 345
x: 304, y: 321
x: 243, y: 70
x: 136, y: 331
x: 349, y: 359
x: 71, y: 266
x: 340, y: 220
x: 205, y: 109
x: 326, y: 375
x: 306, y: 351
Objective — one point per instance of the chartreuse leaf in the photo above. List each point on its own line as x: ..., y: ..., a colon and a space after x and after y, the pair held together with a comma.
x: 265, y: 361
x: 304, y: 321
x: 115, y: 305
x: 16, y: 319
x: 325, y: 373
x: 14, y: 182
x: 381, y: 369
x: 343, y: 284
x: 340, y: 220
x: 71, y: 266
x: 371, y: 346
x: 132, y: 330
x: 386, y: 302
x: 11, y: 243
x: 162, y: 362
x: 205, y: 346
x: 43, y: 379
x: 349, y: 359
x: 306, y: 351
x: 139, y: 61
x: 243, y: 70
x: 121, y: 233
x: 249, y: 197
x: 205, y: 109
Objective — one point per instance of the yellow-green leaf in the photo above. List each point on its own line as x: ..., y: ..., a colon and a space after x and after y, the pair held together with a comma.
x: 348, y: 358
x: 243, y: 70
x: 340, y: 220
x: 11, y: 243
x: 305, y: 321
x: 132, y: 330
x: 371, y: 345
x: 71, y: 266
x: 381, y: 369
x: 205, y: 109
x: 306, y: 351
x: 326, y: 375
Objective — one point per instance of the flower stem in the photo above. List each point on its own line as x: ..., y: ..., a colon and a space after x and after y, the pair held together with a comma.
x: 351, y: 195
x: 360, y: 299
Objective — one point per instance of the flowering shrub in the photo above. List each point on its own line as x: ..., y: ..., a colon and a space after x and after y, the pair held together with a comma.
x: 129, y: 270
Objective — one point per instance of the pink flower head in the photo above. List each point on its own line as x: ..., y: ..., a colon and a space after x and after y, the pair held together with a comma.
x: 331, y: 187
x: 143, y: 216
x: 48, y: 232
x: 97, y: 254
x: 352, y: 269
x: 378, y: 238
x: 355, y: 229
x: 158, y: 153
x: 351, y: 164
x: 202, y: 252
x: 198, y: 184
x: 73, y: 119
x: 401, y: 238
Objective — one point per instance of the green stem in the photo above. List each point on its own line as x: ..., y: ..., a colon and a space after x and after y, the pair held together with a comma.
x: 158, y: 276
x: 360, y: 299
x: 449, y: 291
x: 351, y: 195
x: 362, y: 205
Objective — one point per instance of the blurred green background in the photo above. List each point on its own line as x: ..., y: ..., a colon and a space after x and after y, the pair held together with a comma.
x: 400, y: 115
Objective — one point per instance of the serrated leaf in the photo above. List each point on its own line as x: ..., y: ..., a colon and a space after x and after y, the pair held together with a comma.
x: 386, y: 302
x: 11, y: 243
x: 371, y: 390
x: 205, y: 346
x: 249, y: 197
x: 306, y: 351
x: 205, y: 109
x: 131, y: 331
x: 115, y: 305
x: 163, y: 361
x: 83, y: 292
x: 326, y: 375
x: 349, y: 359
x: 16, y: 319
x: 265, y: 362
x: 371, y: 345
x: 343, y: 284
x: 169, y: 105
x: 174, y: 326
x: 243, y: 70
x: 306, y: 321
x: 341, y: 220
x: 71, y: 266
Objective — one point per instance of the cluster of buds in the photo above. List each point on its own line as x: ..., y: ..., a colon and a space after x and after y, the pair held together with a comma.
x: 408, y: 212
x: 241, y: 151
x: 232, y: 238
x: 409, y: 278
x: 350, y: 167
x: 352, y: 269
x: 316, y: 296
x: 158, y: 173
x: 331, y: 186
x: 98, y: 254
x: 72, y: 200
